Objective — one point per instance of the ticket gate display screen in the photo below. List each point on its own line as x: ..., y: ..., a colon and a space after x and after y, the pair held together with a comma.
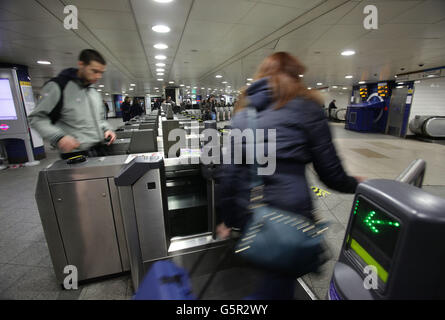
x: 7, y: 106
x: 373, y: 236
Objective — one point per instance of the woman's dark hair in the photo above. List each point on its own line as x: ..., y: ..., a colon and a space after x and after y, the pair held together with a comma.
x: 88, y: 55
x: 283, y: 71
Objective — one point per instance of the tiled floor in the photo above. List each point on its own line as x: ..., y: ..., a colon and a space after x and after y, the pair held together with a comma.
x: 25, y: 266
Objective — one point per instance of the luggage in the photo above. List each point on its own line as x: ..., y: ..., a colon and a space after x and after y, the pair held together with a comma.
x: 165, y: 281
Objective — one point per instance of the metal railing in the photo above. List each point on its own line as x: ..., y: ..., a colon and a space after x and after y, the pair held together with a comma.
x: 414, y: 174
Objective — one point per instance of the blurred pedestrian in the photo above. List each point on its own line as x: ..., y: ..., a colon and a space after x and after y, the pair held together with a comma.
x: 282, y: 102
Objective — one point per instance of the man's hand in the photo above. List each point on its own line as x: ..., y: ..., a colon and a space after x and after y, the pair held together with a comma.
x: 68, y: 144
x: 111, y: 136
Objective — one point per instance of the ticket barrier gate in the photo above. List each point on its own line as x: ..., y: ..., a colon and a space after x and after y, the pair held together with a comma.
x: 134, y: 141
x: 168, y: 212
x: 81, y: 217
x: 393, y: 248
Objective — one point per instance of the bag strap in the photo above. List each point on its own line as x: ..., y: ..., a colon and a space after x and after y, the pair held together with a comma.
x: 56, y: 113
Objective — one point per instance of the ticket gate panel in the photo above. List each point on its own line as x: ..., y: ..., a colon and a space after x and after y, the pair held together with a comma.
x: 89, y: 239
x: 81, y: 217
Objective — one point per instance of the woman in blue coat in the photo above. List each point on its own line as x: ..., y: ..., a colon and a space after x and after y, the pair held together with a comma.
x: 284, y: 103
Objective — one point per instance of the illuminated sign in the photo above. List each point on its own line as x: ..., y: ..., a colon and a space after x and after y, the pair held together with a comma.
x: 373, y: 236
x: 4, y: 127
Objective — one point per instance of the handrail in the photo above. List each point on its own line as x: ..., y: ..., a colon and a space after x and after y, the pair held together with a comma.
x: 414, y: 173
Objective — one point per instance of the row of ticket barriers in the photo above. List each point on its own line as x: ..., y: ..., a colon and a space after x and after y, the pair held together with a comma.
x: 123, y: 212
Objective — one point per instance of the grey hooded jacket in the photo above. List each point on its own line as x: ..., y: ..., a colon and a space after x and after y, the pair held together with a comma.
x: 81, y: 117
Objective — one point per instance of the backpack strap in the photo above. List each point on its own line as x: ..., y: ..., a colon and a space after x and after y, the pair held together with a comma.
x: 55, y: 114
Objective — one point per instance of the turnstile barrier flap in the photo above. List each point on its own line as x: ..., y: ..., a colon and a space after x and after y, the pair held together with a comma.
x: 133, y: 171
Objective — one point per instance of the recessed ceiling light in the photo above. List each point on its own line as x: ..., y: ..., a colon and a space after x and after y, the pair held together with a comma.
x: 224, y: 82
x: 344, y: 88
x: 181, y: 85
x: 401, y: 83
x: 160, y: 74
x: 188, y: 87
x: 163, y: 1
x: 309, y: 88
x: 160, y: 70
x: 160, y: 64
x: 131, y: 89
x: 334, y: 87
x: 160, y: 57
x: 431, y: 76
x: 132, y: 85
x: 43, y: 62
x: 107, y: 94
x: 171, y: 82
x: 203, y: 88
x: 156, y: 88
x: 301, y: 76
x: 319, y: 84
x: 101, y: 86
x: 161, y: 28
x: 195, y: 87
x: 160, y: 46
x: 362, y: 82
x: 348, y: 53
x: 99, y: 90
x: 349, y: 77
x: 249, y: 79
x: 218, y: 76
x: 248, y: 84
x: 160, y: 79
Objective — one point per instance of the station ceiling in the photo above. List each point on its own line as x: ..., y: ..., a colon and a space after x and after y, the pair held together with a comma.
x: 224, y: 37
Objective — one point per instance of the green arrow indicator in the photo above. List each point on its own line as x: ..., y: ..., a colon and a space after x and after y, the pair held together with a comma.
x: 371, y: 222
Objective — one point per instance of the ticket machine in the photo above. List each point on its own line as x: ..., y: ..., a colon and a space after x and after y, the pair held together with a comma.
x: 15, y: 101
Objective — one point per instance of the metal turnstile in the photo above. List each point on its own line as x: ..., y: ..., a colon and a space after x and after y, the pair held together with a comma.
x: 168, y: 212
x: 81, y: 217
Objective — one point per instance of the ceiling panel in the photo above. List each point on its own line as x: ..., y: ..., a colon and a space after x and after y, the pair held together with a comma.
x: 111, y: 20
x: 261, y: 15
x: 109, y: 5
x: 430, y: 11
x: 227, y: 11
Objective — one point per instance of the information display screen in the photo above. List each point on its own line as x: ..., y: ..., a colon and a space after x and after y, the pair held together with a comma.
x: 373, y: 236
x: 7, y: 106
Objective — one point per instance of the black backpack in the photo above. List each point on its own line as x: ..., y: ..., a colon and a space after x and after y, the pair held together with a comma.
x: 56, y: 113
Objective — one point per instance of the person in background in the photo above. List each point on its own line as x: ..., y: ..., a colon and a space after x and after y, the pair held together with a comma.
x: 331, y: 106
x: 107, y: 109
x: 70, y: 114
x: 282, y: 102
x: 126, y: 109
x: 157, y: 105
x: 169, y: 100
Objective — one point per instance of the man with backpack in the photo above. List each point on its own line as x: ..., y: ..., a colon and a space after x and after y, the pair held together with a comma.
x: 70, y: 114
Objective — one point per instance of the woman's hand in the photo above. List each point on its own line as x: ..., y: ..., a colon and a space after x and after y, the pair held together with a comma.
x: 360, y: 179
x: 222, y: 231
